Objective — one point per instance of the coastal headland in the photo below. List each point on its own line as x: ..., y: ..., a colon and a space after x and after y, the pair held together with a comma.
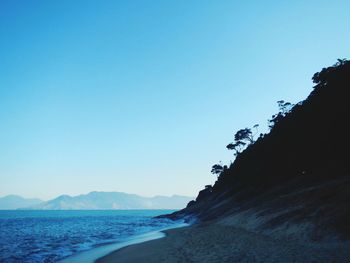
x: 285, y: 197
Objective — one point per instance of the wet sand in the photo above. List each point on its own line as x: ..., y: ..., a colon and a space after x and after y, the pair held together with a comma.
x: 90, y: 256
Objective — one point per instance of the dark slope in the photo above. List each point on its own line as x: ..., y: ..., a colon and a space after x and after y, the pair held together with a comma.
x: 299, y: 173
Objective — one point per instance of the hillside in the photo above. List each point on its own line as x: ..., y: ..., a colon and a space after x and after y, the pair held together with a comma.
x: 294, y: 181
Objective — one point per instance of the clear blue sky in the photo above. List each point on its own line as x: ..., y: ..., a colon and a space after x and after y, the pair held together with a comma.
x: 143, y: 96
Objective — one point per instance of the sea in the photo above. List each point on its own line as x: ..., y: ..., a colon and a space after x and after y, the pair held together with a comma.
x: 50, y: 236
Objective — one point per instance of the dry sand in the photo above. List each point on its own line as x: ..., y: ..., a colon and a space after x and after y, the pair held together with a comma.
x: 222, y: 243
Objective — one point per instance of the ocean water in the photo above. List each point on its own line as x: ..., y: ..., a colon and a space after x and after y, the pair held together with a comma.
x: 48, y: 236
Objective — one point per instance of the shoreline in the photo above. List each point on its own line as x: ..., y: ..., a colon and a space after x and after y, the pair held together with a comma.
x: 113, y: 255
x: 92, y: 255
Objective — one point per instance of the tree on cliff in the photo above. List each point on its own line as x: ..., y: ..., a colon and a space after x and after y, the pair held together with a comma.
x: 284, y: 108
x: 326, y: 73
x: 243, y: 137
x: 217, y: 169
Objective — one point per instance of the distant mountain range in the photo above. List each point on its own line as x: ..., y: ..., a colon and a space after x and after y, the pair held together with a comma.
x: 96, y: 201
x: 10, y: 202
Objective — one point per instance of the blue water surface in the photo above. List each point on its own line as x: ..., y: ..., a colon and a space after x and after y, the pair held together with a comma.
x: 48, y: 236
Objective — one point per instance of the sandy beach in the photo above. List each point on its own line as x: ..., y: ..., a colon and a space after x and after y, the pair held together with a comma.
x: 223, y: 243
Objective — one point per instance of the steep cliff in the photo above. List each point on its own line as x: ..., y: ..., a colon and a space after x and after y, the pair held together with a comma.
x: 295, y: 180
